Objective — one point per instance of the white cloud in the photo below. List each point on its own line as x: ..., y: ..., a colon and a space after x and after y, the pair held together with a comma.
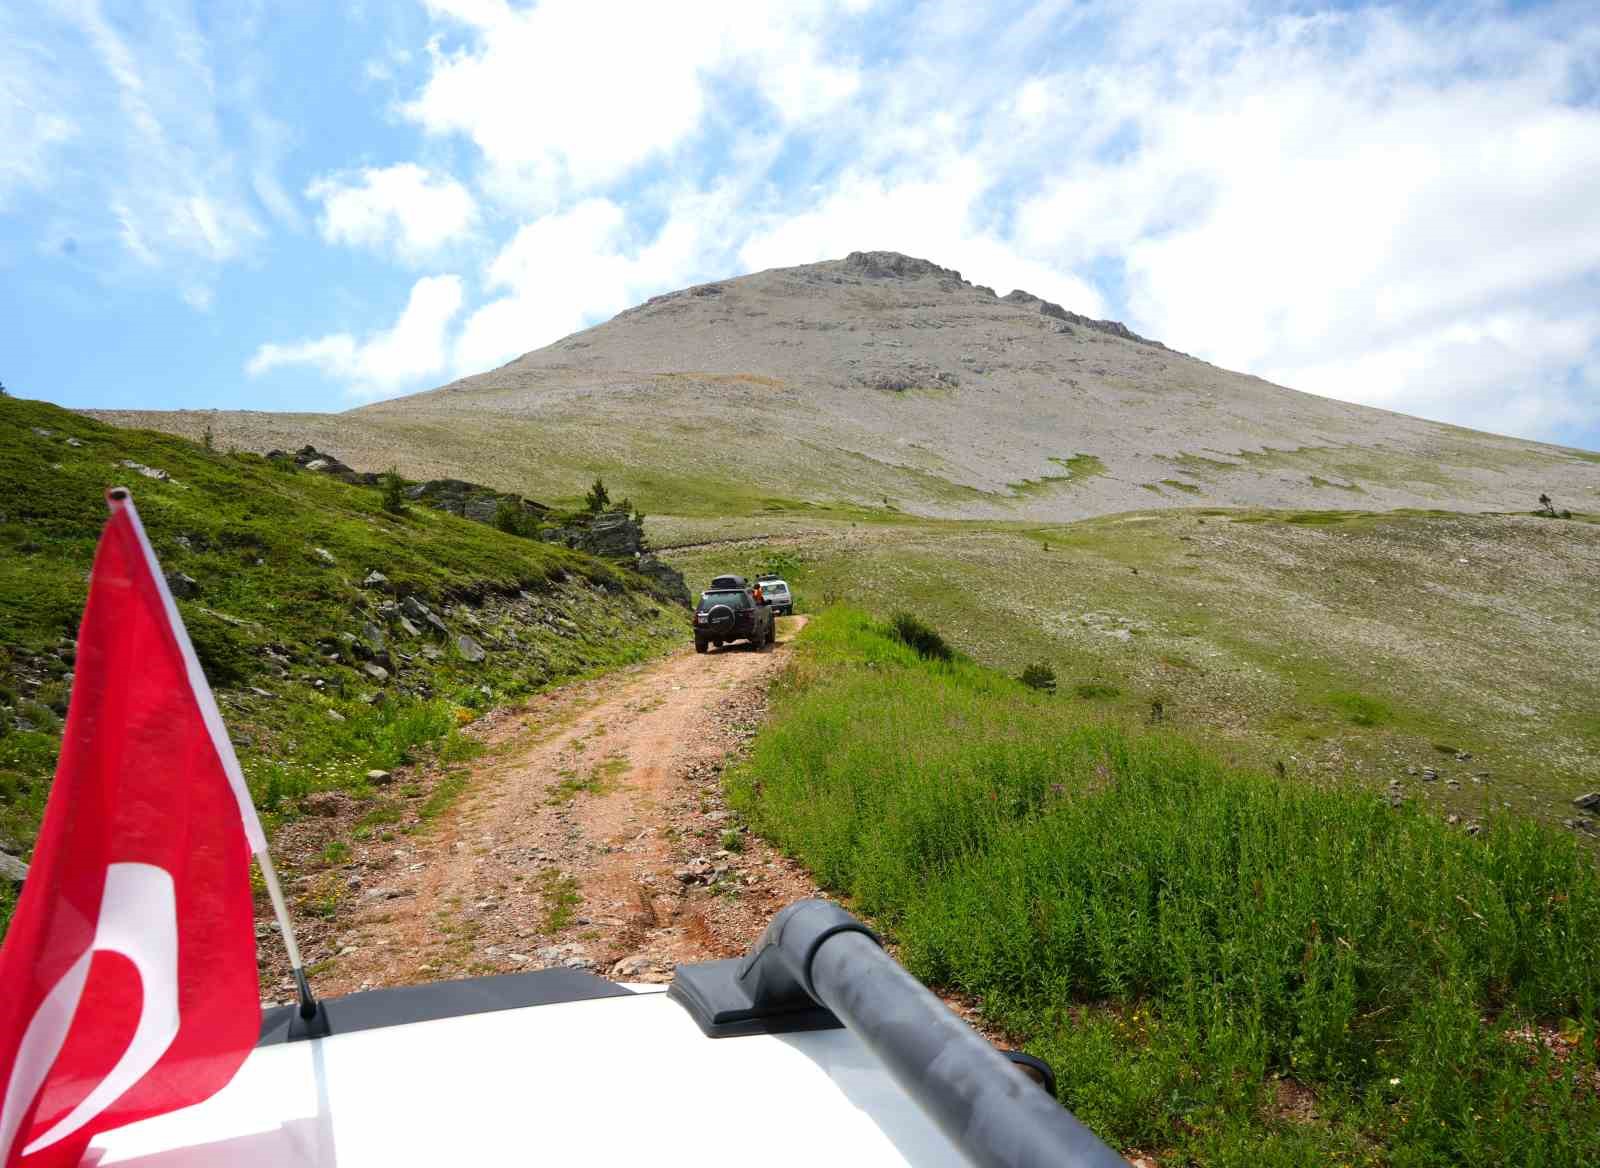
x: 555, y: 274
x: 33, y: 120
x: 404, y: 207
x: 1511, y: 372
x: 530, y: 90
x: 176, y: 197
x: 126, y: 122
x: 397, y: 358
x: 562, y: 272
x: 1357, y: 205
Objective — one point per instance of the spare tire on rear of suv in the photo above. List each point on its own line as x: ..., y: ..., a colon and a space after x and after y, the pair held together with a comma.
x: 719, y: 620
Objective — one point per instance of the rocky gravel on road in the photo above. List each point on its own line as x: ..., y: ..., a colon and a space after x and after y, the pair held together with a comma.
x: 591, y: 834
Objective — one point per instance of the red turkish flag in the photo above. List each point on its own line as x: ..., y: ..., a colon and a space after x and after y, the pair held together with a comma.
x: 129, y: 970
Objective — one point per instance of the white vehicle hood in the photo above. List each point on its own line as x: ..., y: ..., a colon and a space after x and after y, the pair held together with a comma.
x: 617, y: 1080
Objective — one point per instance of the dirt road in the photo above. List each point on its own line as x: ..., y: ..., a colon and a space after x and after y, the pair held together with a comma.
x: 590, y: 834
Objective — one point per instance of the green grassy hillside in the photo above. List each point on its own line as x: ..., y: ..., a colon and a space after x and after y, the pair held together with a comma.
x: 1371, y: 647
x: 1224, y: 966
x: 319, y: 677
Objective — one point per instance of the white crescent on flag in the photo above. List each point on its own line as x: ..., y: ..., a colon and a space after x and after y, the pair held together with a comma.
x: 139, y: 920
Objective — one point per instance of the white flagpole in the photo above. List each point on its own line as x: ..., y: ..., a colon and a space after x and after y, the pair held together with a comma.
x: 297, y: 968
x: 121, y: 497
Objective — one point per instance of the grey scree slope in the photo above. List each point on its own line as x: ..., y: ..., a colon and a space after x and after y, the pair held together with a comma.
x: 882, y: 377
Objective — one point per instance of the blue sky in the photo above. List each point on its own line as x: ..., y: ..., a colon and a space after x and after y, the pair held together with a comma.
x: 312, y: 206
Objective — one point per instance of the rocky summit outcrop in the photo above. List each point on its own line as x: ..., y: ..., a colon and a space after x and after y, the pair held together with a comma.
x: 880, y: 265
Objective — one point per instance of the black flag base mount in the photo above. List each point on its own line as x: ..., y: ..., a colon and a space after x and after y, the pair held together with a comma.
x: 309, y: 1025
x: 310, y: 1018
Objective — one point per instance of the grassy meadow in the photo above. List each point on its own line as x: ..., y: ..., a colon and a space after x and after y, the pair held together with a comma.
x: 1357, y: 646
x: 1225, y: 966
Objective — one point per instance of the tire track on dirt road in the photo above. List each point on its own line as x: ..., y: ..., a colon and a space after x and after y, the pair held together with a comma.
x: 591, y: 834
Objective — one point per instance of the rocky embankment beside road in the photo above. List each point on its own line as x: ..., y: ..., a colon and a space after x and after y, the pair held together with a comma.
x: 612, y: 534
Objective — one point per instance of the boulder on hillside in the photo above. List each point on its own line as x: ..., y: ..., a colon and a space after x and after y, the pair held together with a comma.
x: 12, y: 868
x: 909, y: 377
x: 469, y: 649
x: 665, y: 576
x: 472, y: 501
x: 614, y: 534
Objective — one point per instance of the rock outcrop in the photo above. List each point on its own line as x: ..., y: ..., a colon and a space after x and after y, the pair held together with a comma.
x: 471, y: 500
x: 614, y: 535
x: 882, y: 265
x: 1114, y: 328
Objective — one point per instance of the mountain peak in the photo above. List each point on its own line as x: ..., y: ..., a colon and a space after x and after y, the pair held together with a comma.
x: 880, y: 265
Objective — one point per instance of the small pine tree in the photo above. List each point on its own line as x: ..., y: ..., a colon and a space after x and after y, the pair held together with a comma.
x: 394, y: 498
x: 508, y: 517
x: 4, y: 392
x: 598, y: 497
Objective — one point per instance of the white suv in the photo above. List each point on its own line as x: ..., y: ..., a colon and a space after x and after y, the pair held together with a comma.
x: 777, y: 594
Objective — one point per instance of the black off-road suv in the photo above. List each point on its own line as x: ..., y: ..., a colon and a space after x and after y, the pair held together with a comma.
x: 728, y: 611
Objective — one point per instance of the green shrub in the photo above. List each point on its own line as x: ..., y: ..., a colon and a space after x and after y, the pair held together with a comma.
x: 1040, y: 677
x: 393, y: 488
x: 916, y: 635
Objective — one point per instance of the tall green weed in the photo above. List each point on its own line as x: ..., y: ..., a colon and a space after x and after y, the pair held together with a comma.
x: 1182, y: 937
